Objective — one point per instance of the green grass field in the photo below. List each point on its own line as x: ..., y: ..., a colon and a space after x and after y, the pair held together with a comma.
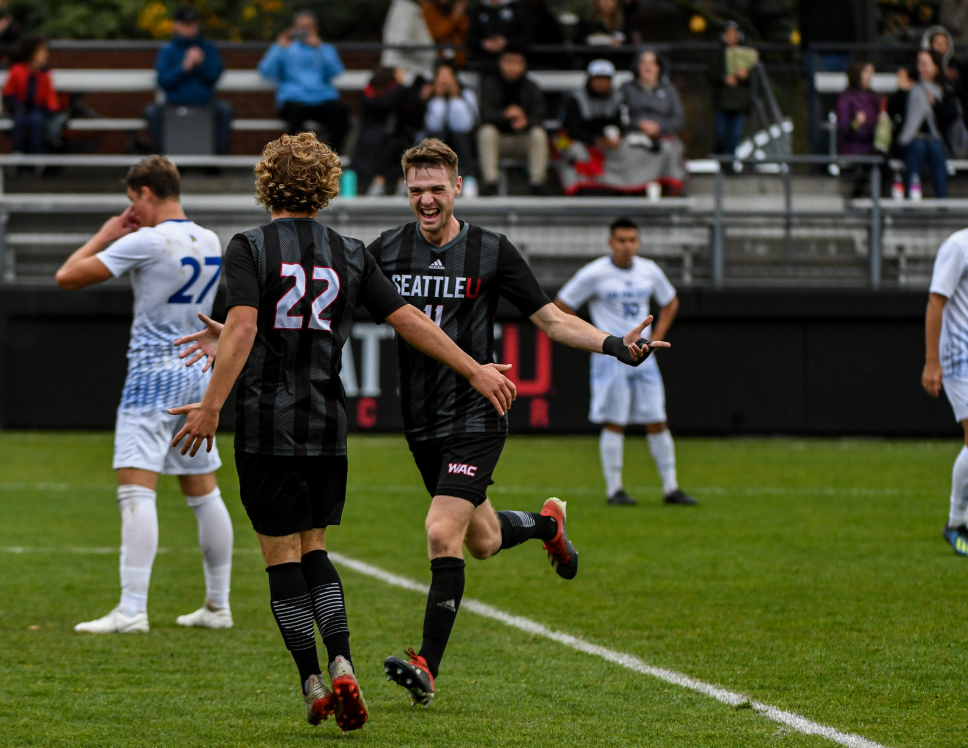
x: 812, y: 577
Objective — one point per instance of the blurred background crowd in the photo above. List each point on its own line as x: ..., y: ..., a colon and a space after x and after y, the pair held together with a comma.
x: 886, y: 79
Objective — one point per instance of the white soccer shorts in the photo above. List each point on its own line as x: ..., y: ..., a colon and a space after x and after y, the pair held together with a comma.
x: 957, y: 393
x: 142, y: 439
x: 623, y: 395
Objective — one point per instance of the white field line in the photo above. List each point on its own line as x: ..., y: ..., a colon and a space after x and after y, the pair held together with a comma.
x: 794, y: 721
x: 535, y: 490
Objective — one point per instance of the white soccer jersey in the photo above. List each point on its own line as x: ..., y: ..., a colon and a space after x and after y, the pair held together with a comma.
x: 950, y: 280
x: 618, y: 298
x: 174, y: 268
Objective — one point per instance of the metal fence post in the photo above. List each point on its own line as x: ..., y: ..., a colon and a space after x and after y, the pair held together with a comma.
x: 874, y: 250
x: 718, y: 254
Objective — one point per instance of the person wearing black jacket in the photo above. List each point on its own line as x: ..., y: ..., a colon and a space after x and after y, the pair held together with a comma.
x: 512, y: 113
x: 496, y: 25
x: 390, y: 115
x: 732, y: 98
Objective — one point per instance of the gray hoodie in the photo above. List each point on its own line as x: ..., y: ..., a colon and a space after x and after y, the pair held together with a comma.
x: 661, y: 104
x: 920, y: 112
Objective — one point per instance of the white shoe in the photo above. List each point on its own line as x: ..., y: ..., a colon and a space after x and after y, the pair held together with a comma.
x: 207, y: 619
x: 320, y: 702
x: 116, y: 622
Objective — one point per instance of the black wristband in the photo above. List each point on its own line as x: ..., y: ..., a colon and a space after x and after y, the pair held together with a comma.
x: 615, y: 346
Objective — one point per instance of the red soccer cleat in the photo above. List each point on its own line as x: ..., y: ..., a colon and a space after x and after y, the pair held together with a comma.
x: 351, y: 712
x: 561, y: 553
x: 414, y: 675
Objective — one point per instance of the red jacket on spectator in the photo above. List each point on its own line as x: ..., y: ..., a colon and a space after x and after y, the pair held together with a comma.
x: 19, y: 83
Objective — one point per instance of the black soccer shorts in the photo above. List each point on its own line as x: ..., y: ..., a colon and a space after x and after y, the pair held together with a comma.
x: 286, y: 495
x: 459, y: 465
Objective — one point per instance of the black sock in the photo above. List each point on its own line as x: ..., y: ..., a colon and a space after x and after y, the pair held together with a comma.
x: 293, y: 610
x: 329, y: 605
x: 516, y: 527
x: 443, y: 602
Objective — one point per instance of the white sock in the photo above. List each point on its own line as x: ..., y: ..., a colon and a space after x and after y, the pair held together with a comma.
x: 215, y: 538
x: 139, y: 544
x: 611, y: 447
x: 958, y: 514
x: 663, y: 451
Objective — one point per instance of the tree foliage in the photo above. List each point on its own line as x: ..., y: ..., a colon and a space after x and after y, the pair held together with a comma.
x: 237, y: 20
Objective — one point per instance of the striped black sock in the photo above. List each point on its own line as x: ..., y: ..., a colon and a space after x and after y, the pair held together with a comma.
x: 517, y: 527
x: 443, y: 602
x: 293, y: 610
x: 329, y: 605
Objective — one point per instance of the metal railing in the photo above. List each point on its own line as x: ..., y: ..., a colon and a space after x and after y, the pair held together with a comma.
x: 718, y: 254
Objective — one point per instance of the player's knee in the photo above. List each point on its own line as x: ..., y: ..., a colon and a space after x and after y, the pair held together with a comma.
x: 441, y: 539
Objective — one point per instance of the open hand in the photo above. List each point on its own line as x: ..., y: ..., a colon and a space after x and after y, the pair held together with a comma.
x: 490, y: 382
x: 633, y: 337
x: 204, y: 343
x: 200, y: 427
x: 931, y: 378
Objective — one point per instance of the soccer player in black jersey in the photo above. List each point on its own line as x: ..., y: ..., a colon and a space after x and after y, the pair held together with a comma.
x: 455, y: 273
x: 293, y: 287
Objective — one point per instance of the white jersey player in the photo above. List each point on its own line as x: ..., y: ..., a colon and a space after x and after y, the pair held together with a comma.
x: 174, y: 265
x: 619, y: 289
x: 946, y: 337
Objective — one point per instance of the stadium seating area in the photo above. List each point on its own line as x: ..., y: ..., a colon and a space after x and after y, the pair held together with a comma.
x: 768, y: 238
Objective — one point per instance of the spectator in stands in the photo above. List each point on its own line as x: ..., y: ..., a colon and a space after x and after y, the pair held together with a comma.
x: 603, y: 25
x: 512, y: 116
x: 448, y: 23
x: 376, y: 158
x: 655, y: 110
x: 405, y: 25
x: 731, y: 92
x: 451, y: 117
x: 921, y: 135
x: 29, y: 96
x: 858, y: 108
x: 496, y: 25
x: 303, y: 68
x: 188, y: 68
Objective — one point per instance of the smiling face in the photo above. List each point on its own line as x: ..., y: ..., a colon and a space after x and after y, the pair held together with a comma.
x: 432, y: 193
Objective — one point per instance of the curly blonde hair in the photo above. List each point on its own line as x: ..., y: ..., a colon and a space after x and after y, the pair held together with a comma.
x: 297, y: 174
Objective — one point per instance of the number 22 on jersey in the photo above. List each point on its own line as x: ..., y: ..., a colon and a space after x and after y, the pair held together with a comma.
x: 285, y: 320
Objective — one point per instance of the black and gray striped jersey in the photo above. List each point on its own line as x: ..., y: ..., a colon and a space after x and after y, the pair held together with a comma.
x: 306, y: 281
x: 457, y: 286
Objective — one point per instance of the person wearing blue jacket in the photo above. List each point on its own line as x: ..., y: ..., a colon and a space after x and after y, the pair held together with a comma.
x: 303, y: 68
x: 188, y: 69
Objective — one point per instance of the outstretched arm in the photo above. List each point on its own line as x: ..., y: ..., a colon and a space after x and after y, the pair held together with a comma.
x: 82, y: 268
x: 573, y: 331
x: 416, y: 328
x: 234, y: 346
x: 931, y: 378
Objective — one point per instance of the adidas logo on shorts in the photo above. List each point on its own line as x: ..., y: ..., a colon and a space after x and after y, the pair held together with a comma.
x: 437, y: 265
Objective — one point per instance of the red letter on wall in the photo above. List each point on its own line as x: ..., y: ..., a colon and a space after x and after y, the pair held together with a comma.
x: 366, y: 412
x: 541, y: 383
